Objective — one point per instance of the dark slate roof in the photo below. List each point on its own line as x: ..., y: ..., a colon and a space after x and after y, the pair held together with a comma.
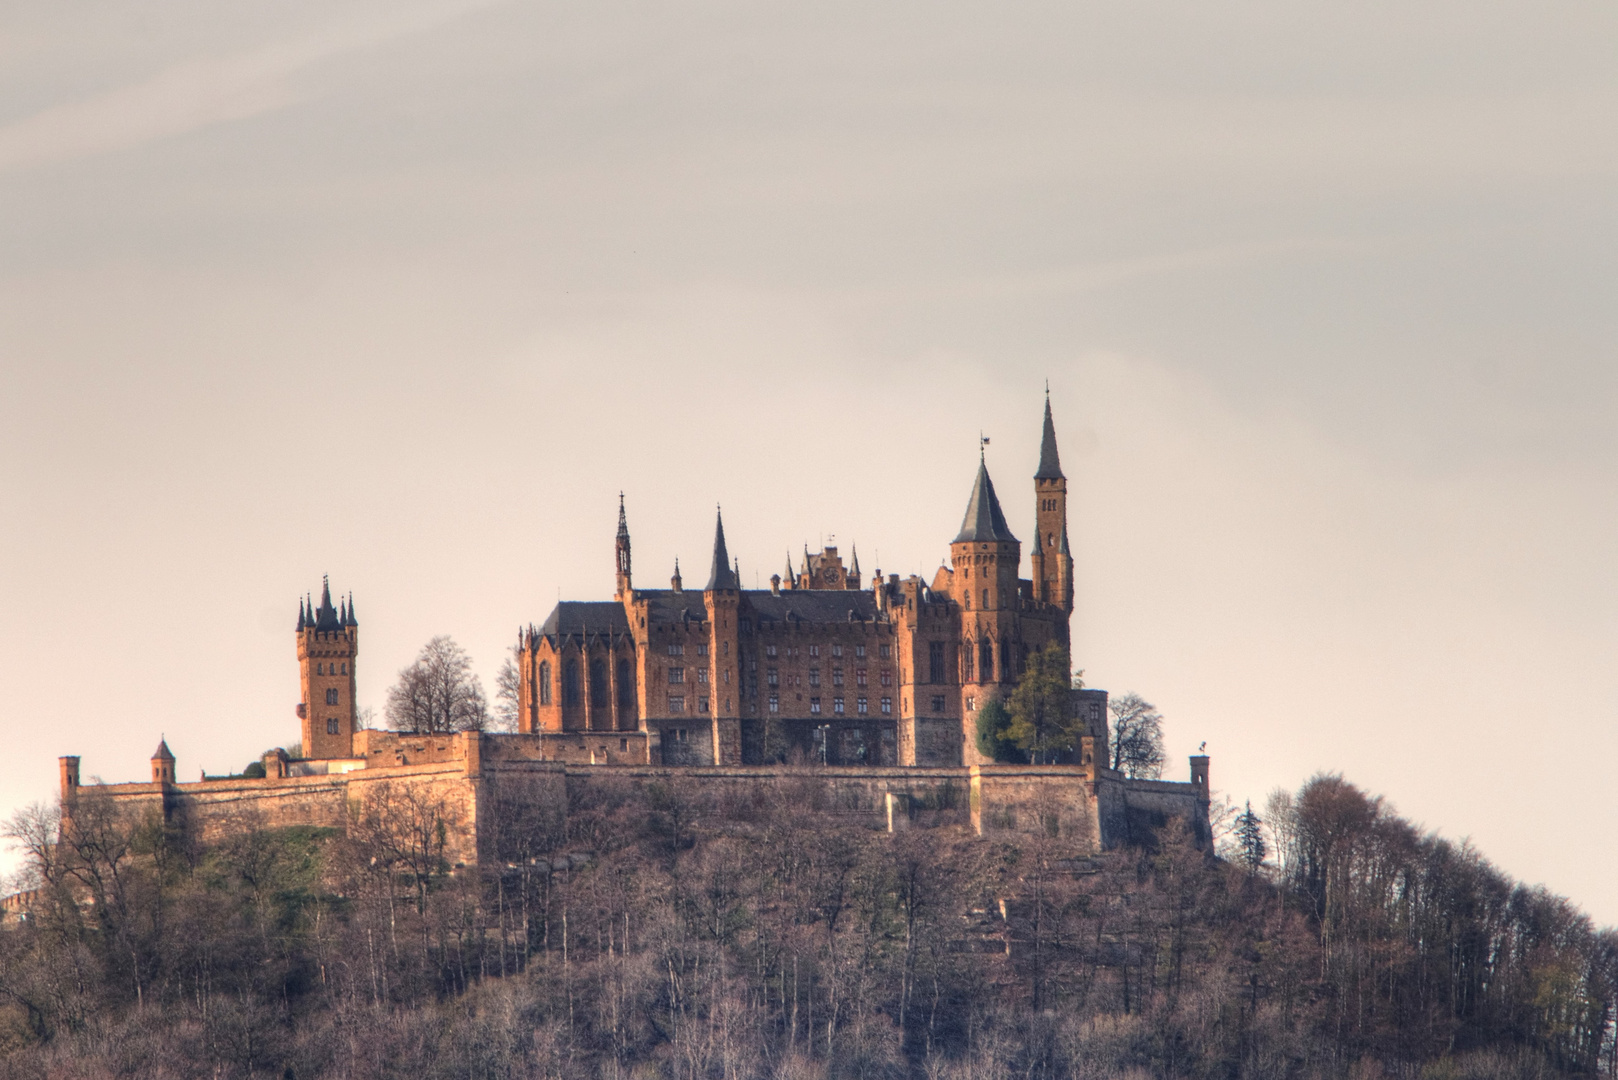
x: 668, y: 606
x: 721, y: 576
x: 1050, y: 465
x: 162, y: 753
x: 326, y: 615
x: 811, y: 605
x: 594, y: 617
x: 984, y: 520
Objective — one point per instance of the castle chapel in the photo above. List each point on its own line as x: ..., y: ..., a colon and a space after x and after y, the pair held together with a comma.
x: 821, y: 665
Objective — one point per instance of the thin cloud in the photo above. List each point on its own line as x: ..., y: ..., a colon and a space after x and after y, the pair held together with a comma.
x: 202, y: 93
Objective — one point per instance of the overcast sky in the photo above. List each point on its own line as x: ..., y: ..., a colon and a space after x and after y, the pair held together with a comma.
x: 406, y: 292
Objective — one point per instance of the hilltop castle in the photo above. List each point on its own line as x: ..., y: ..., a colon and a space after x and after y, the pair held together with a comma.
x: 872, y: 689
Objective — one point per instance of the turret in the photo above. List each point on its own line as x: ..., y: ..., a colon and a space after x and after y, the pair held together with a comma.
x: 67, y: 769
x: 625, y: 587
x: 162, y: 763
x: 674, y: 582
x: 722, y: 599
x: 984, y: 556
x: 1050, y: 565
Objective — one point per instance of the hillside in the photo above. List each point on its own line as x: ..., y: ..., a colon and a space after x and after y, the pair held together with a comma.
x: 659, y: 933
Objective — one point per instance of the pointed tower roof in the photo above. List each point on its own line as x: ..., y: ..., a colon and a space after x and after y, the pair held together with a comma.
x: 789, y: 575
x: 984, y: 519
x: 623, y: 522
x: 162, y: 752
x: 720, y: 576
x: 855, y: 549
x: 1064, y: 548
x: 326, y: 616
x: 1050, y: 465
x: 352, y: 620
x: 302, y: 619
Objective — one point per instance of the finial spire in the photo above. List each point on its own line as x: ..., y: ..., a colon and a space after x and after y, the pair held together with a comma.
x: 623, y: 521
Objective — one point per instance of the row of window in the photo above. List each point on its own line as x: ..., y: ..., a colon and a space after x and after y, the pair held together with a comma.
x: 772, y: 676
x: 862, y: 706
x: 599, y: 691
x: 884, y: 651
x: 320, y: 669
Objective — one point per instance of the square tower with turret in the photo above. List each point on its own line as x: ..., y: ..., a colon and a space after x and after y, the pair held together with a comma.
x: 328, y: 642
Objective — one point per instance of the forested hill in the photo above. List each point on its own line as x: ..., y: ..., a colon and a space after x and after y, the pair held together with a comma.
x: 658, y: 934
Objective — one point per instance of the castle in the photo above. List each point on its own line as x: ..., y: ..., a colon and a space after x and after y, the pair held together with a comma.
x: 874, y: 690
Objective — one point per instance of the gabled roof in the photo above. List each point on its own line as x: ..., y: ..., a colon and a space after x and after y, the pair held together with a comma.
x: 984, y: 519
x: 584, y: 618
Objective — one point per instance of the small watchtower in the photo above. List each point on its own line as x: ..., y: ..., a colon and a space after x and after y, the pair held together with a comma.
x: 162, y: 763
x: 328, y: 642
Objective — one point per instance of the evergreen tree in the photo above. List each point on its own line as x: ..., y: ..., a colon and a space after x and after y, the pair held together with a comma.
x: 1250, y: 838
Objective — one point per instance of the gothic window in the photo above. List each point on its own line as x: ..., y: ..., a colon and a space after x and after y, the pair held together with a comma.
x: 345, y: 669
x: 986, y: 661
x: 570, y: 683
x: 887, y: 705
x: 544, y: 682
x: 332, y: 726
x: 598, y: 682
x: 861, y: 707
x: 985, y: 599
x: 676, y: 674
x: 320, y: 669
x: 966, y: 600
x: 331, y: 697
x: 966, y: 662
x: 626, y: 686
x: 935, y: 662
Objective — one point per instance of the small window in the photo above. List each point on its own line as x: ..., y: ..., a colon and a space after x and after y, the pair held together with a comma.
x: 837, y: 705
x: 938, y: 704
x: 331, y: 697
x: 814, y: 676
x: 814, y: 650
x: 772, y: 676
x: 769, y: 650
x: 679, y: 734
x: 887, y: 705
x: 676, y: 650
x: 702, y: 674
x: 885, y: 651
x: 860, y: 706
x: 837, y: 650
x: 702, y: 650
x: 859, y: 650
x: 676, y: 674
x: 859, y: 676
x: 676, y: 703
x: 345, y: 669
x: 887, y: 676
x: 837, y: 676
x: 971, y: 704
x: 985, y: 598
x: 814, y: 704
x: 702, y: 704
x: 320, y: 669
x: 332, y: 726
x: 623, y: 744
x: 775, y: 703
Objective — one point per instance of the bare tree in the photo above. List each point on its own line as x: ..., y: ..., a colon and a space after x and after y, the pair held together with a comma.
x: 1137, y: 737
x: 505, y: 695
x: 438, y: 692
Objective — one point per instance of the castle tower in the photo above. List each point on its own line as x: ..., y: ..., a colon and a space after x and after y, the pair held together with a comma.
x: 328, y: 642
x: 985, y: 557
x: 162, y: 763
x: 625, y: 587
x: 1051, y: 565
x: 722, y: 597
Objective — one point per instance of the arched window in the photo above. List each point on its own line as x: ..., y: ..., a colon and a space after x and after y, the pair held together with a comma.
x: 544, y: 682
x: 986, y: 661
x: 570, y: 683
x: 966, y: 662
x: 598, y: 682
x: 626, y: 686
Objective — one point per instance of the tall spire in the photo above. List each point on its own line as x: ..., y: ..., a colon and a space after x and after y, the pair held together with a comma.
x: 720, y: 576
x: 352, y: 619
x: 302, y: 619
x: 855, y: 569
x: 623, y: 522
x: 984, y: 519
x: 326, y: 615
x: 1050, y: 465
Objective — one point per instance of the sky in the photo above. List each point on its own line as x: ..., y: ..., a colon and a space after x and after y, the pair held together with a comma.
x: 406, y: 293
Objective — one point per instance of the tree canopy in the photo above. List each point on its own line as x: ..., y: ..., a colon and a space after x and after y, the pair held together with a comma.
x: 1043, y: 723
x: 438, y: 692
x: 1135, y: 745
